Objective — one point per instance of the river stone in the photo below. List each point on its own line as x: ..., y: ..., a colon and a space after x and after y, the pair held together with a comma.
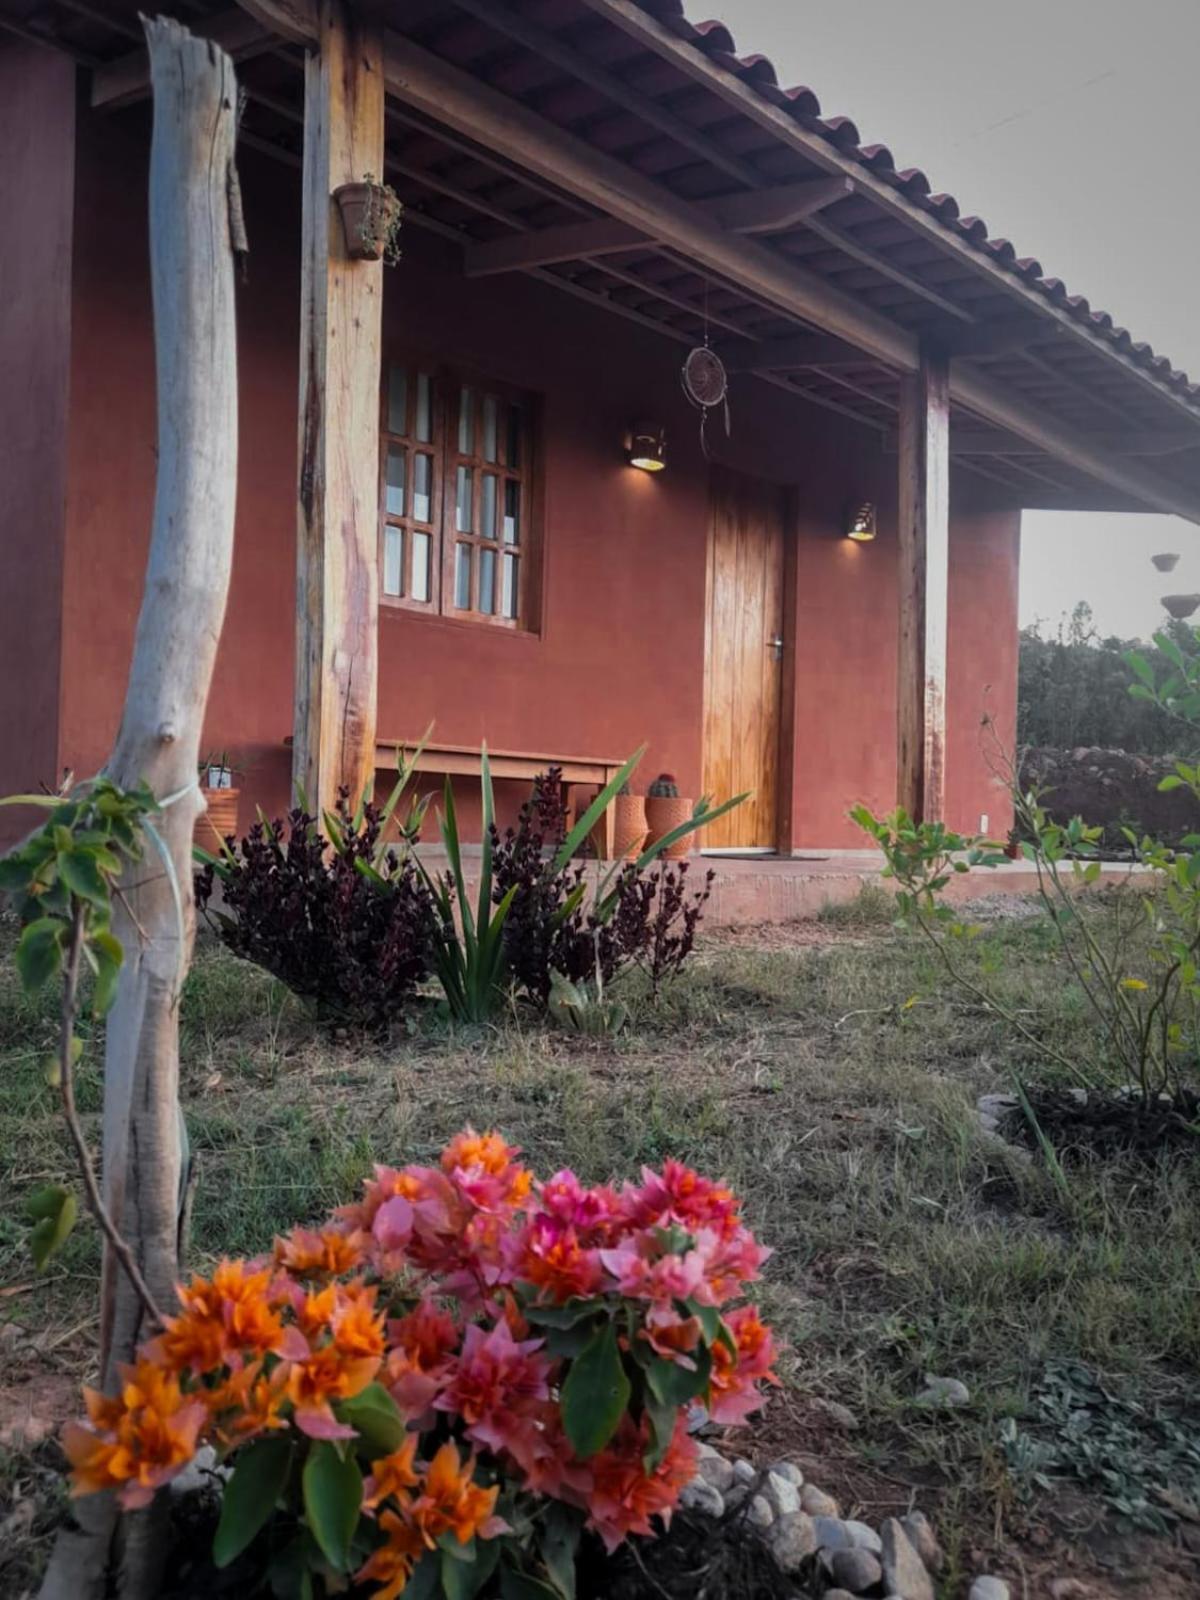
x: 831, y: 1533
x: 782, y: 1493
x: 856, y: 1570
x: 817, y: 1503
x: 736, y: 1494
x: 760, y: 1513
x: 948, y: 1392
x: 716, y: 1470
x: 903, y: 1570
x: 862, y: 1537
x: 923, y: 1539
x: 699, y: 1495
x: 989, y: 1589
x: 792, y: 1540
x: 201, y: 1472
x: 744, y: 1471
x: 788, y: 1470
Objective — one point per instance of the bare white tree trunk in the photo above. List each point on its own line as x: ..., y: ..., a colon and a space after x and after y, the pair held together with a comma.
x: 183, y: 607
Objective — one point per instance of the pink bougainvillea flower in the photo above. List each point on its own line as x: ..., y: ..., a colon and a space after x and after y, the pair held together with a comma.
x: 324, y: 1252
x: 419, y: 1361
x: 554, y: 1261
x: 671, y: 1336
x: 733, y: 1392
x: 677, y: 1194
x: 137, y: 1441
x: 642, y: 1272
x: 495, y: 1386
x: 485, y: 1169
x: 595, y: 1214
x: 624, y: 1495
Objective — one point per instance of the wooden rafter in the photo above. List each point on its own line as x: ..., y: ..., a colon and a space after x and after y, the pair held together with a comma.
x: 126, y: 79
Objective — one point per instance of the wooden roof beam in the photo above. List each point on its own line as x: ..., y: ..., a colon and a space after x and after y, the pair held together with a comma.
x: 449, y: 96
x: 788, y: 355
x: 755, y: 211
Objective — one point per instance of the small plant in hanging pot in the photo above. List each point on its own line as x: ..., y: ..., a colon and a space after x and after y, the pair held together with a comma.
x: 1166, y: 561
x: 665, y: 811
x: 371, y: 214
x: 219, y: 820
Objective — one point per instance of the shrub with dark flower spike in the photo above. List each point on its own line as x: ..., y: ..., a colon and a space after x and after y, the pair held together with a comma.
x: 346, y: 925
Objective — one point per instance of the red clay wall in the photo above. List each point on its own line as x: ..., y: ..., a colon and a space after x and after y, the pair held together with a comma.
x: 619, y: 657
x: 37, y: 162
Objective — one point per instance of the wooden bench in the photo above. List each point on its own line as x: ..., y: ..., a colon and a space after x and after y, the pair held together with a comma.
x: 463, y: 760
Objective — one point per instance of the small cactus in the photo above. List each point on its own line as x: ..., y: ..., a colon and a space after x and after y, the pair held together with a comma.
x: 664, y: 787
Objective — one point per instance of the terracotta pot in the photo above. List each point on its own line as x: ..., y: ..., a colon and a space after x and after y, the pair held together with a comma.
x: 1165, y: 562
x: 667, y: 811
x: 629, y: 828
x: 1181, y: 605
x: 1013, y: 850
x: 368, y: 214
x: 218, y: 821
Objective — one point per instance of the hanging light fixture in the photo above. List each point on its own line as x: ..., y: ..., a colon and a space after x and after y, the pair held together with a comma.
x: 860, y: 525
x: 647, y: 447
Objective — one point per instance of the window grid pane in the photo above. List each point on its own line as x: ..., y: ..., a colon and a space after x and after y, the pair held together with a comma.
x: 397, y: 468
x: 462, y: 576
x: 511, y: 594
x: 420, y: 566
x: 487, y: 580
x: 393, y: 560
x: 398, y: 400
x: 422, y: 506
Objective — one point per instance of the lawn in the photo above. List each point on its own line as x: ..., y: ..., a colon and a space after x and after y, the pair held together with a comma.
x: 828, y: 1074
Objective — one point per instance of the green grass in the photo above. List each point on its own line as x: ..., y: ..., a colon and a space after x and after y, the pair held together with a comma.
x: 833, y: 1085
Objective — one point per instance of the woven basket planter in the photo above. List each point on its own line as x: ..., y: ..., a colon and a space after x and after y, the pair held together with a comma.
x: 629, y: 828
x: 663, y: 813
x: 218, y: 820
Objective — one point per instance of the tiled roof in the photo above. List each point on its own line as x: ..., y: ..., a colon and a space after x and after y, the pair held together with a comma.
x: 758, y: 72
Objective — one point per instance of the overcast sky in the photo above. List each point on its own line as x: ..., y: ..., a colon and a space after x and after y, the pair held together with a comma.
x: 1073, y: 128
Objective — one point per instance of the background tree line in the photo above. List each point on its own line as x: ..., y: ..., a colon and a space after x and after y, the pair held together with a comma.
x: 1073, y: 688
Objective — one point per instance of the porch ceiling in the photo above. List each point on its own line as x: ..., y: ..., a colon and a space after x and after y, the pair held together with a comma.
x: 674, y: 112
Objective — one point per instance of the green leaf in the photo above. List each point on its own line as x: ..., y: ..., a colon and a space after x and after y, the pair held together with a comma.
x: 259, y: 1474
x: 54, y: 1210
x: 464, y: 1571
x: 1171, y: 781
x: 595, y: 1394
x: 663, y: 1416
x: 39, y: 952
x: 559, y: 1545
x: 375, y: 1417
x: 80, y: 871
x: 332, y: 1501
x: 423, y: 1580
x: 106, y: 948
x: 675, y: 1385
x: 519, y: 1586
x: 564, y: 1316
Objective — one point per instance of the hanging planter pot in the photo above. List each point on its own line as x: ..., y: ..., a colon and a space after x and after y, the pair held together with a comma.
x: 1181, y: 605
x: 370, y: 215
x: 1165, y: 562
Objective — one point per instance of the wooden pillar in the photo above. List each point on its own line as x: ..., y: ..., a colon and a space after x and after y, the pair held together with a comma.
x: 337, y: 590
x: 924, y: 523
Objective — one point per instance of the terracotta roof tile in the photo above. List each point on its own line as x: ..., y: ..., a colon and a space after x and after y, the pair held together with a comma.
x: 717, y: 42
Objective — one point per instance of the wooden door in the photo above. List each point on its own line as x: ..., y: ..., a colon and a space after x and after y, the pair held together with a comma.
x: 744, y: 658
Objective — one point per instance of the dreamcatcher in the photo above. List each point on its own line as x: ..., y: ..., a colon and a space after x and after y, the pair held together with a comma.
x: 705, y: 382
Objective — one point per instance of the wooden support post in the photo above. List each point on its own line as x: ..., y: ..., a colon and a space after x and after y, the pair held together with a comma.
x: 337, y: 590
x: 923, y: 577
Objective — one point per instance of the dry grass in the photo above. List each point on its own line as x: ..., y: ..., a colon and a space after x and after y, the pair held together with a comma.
x: 834, y: 1085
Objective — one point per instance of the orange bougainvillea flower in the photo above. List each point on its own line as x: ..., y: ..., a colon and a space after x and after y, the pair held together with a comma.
x: 313, y: 1253
x: 225, y: 1318
x: 391, y: 1565
x: 624, y: 1495
x: 136, y: 1442
x: 247, y: 1403
x: 357, y: 1327
x: 452, y: 1501
x: 325, y: 1377
x: 393, y: 1476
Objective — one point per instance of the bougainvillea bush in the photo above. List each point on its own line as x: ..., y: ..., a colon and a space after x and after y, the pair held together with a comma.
x: 439, y: 1391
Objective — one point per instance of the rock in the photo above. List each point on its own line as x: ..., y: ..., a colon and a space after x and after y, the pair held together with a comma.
x: 831, y: 1534
x: 985, y: 1588
x: 833, y: 1411
x: 993, y: 1109
x: 817, y: 1503
x: 856, y: 1570
x: 948, y: 1392
x: 782, y: 1493
x: 744, y: 1471
x: 201, y: 1472
x: 699, y: 1495
x: 792, y: 1540
x: 923, y: 1539
x: 788, y: 1470
x: 903, y: 1570
x: 838, y: 1594
x: 862, y: 1537
x: 760, y: 1512
x: 716, y: 1470
x: 1069, y: 1589
x: 735, y: 1495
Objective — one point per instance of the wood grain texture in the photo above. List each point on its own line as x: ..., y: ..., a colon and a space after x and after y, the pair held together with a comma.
x: 743, y: 670
x: 923, y: 588
x: 337, y: 585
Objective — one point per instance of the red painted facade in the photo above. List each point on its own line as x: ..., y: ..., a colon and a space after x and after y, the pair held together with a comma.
x: 618, y: 657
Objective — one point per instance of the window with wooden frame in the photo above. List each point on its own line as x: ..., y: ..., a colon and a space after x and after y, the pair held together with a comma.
x: 456, y: 471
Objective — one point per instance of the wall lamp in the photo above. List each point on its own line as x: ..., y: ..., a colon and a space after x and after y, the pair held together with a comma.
x: 646, y: 447
x: 860, y: 525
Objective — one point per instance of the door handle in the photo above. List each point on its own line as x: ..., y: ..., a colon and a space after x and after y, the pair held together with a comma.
x: 775, y: 644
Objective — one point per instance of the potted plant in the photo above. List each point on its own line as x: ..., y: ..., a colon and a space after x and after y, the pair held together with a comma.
x: 665, y: 810
x: 629, y: 827
x: 371, y: 215
x: 219, y: 820
x: 1166, y: 561
x: 1181, y: 605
